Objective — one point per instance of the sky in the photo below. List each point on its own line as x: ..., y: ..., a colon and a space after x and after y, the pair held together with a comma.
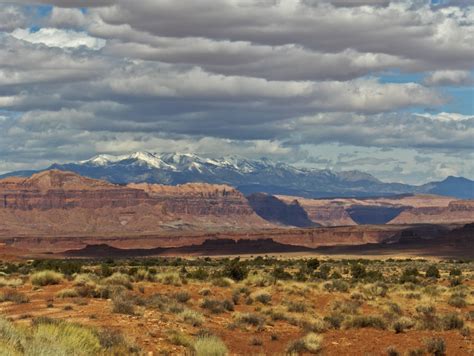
x: 381, y: 86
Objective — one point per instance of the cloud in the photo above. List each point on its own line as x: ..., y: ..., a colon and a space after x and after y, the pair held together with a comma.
x: 11, y: 17
x: 449, y: 77
x: 53, y: 37
x: 274, y: 78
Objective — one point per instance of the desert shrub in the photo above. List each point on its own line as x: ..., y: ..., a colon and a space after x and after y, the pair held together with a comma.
x: 143, y: 275
x: 310, y: 324
x: 297, y: 307
x: 392, y: 351
x: 256, y: 341
x: 182, y: 297
x: 54, y: 337
x: 323, y: 272
x: 311, y: 343
x: 394, y: 308
x: 235, y: 270
x: 210, y: 346
x: 12, y: 295
x: 436, y: 346
x: 451, y: 321
x: 378, y: 289
x: 366, y: 321
x: 122, y: 305
x: 334, y: 320
x: 222, y: 282
x: 235, y: 297
x: 200, y: 274
x: 192, y: 317
x: 337, y: 285
x: 250, y: 319
x: 403, y: 323
x: 454, y: 282
x: 15, y: 282
x: 346, y: 306
x: 262, y: 297
x: 358, y: 271
x: 67, y: 293
x: 175, y: 308
x: 118, y: 279
x: 82, y: 279
x: 113, y: 342
x: 170, y: 278
x: 214, y: 306
x: 457, y: 301
x: 180, y: 339
x: 280, y: 273
x: 312, y: 264
x: 205, y: 292
x: 44, y: 278
x: 455, y: 272
x: 432, y: 272
x: 427, y: 318
x: 409, y: 275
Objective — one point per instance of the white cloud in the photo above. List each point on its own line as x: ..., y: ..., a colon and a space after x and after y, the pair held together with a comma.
x: 53, y: 37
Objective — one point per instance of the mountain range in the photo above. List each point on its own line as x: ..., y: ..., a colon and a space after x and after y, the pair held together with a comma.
x: 249, y: 176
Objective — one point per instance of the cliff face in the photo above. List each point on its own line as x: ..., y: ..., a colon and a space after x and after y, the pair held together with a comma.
x: 404, y: 209
x: 458, y: 211
x: 64, y: 190
x: 198, y: 199
x: 275, y: 210
x: 56, y: 202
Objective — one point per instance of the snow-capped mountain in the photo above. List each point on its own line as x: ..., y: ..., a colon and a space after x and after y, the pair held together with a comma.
x: 248, y: 175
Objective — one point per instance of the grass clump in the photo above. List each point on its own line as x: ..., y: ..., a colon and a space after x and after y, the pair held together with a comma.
x: 311, y: 343
x: 49, y: 337
x: 192, y: 317
x: 250, y: 319
x: 262, y: 297
x: 122, y: 305
x: 67, y: 293
x: 366, y: 321
x: 118, y: 279
x: 44, y: 278
x: 12, y: 295
x: 436, y: 346
x: 210, y: 346
x: 15, y: 282
x: 180, y: 339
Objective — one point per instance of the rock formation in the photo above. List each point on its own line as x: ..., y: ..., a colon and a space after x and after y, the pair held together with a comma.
x: 57, y: 202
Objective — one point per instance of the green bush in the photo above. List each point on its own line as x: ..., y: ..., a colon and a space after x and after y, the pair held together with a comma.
x: 432, y: 272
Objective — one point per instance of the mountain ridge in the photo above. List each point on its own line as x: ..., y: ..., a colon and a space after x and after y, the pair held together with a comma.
x: 249, y: 176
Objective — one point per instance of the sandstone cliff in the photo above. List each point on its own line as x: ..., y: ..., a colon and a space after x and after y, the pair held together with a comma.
x: 458, y: 211
x: 56, y: 202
